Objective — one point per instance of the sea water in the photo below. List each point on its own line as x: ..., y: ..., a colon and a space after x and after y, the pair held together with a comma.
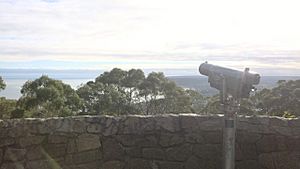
x: 15, y: 79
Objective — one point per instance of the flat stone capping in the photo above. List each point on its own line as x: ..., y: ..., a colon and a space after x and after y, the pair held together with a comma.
x: 169, y: 141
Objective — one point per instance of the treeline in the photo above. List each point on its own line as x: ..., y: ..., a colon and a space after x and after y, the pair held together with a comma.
x: 117, y: 92
x: 120, y: 92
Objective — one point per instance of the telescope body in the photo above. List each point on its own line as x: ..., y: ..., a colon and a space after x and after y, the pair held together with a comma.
x: 238, y: 83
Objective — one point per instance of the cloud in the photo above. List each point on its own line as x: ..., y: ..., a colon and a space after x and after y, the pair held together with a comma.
x: 165, y: 34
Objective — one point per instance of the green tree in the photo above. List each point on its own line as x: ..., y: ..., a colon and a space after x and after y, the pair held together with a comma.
x: 151, y: 91
x: 280, y: 100
x: 134, y: 78
x: 7, y: 106
x: 2, y: 84
x: 113, y: 92
x: 123, y: 87
x: 46, y: 97
x: 102, y: 98
x: 129, y: 92
x: 160, y: 95
x: 176, y: 99
x: 115, y: 76
x: 213, y: 105
x: 198, y: 101
x: 89, y: 95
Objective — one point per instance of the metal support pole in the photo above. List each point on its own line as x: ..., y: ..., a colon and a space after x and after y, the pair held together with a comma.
x: 229, y: 108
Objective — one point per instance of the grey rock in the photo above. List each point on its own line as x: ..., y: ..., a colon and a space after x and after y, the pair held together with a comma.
x: 277, y: 121
x: 212, y: 124
x: 295, y: 131
x: 190, y: 123
x: 6, y: 142
x: 87, y: 142
x: 14, y: 165
x: 14, y: 154
x: 44, y: 164
x: 83, y: 157
x: 246, y: 152
x: 113, y: 150
x: 113, y: 165
x: 30, y: 140
x: 247, y: 164
x: 55, y: 150
x: 213, y: 137
x: 207, y: 151
x: 167, y: 139
x: 266, y: 161
x: 57, y: 139
x: 128, y: 140
x: 138, y: 164
x: 1, y: 156
x: 153, y: 153
x: 111, y: 129
x: 294, y: 122
x: 282, y: 130
x: 194, y: 163
x: 135, y: 152
x: 90, y: 165
x: 147, y: 141
x: 179, y: 153
x: 247, y: 137
x: 194, y: 137
x: 167, y: 123
x: 36, y: 153
x: 94, y: 128
x: 71, y: 146
x: 78, y: 126
x: 170, y: 165
x: 264, y: 146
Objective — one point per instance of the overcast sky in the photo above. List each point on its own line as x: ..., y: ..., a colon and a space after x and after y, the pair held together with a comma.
x: 151, y: 34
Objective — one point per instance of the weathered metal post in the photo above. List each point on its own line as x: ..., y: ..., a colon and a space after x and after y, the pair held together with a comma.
x: 229, y: 108
x: 233, y: 86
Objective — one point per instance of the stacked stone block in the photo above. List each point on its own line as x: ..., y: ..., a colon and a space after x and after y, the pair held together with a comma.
x: 184, y: 141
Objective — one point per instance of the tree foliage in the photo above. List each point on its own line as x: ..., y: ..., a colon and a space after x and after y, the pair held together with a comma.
x: 45, y: 97
x: 160, y: 95
x: 2, y: 84
x: 121, y: 92
x: 281, y: 100
x: 7, y: 106
x: 130, y: 92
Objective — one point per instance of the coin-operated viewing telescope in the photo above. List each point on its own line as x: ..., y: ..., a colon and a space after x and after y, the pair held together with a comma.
x: 233, y: 86
x: 238, y: 83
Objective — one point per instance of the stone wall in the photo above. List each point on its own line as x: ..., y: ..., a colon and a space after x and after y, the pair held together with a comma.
x: 146, y: 142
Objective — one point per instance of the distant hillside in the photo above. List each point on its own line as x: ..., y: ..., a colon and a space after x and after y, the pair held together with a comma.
x: 200, y: 83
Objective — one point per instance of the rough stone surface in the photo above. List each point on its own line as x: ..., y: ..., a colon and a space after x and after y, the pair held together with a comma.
x: 137, y: 163
x: 1, y: 155
x: 31, y: 140
x: 14, y: 154
x: 113, y: 150
x: 83, y: 157
x: 54, y: 150
x: 179, y: 153
x: 15, y: 165
x: 153, y: 153
x: 35, y: 153
x: 6, y: 142
x: 185, y: 141
x: 113, y: 165
x: 88, y: 142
